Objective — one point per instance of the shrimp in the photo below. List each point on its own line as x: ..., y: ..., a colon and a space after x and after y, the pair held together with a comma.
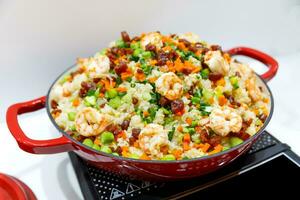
x: 253, y: 89
x: 152, y: 138
x: 89, y: 122
x: 153, y: 38
x: 225, y: 120
x: 216, y: 62
x: 169, y: 85
x: 191, y: 37
x: 98, y: 65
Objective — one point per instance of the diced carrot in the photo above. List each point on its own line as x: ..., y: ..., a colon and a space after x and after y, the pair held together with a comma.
x: 76, y: 102
x: 121, y: 89
x: 146, y: 113
x: 217, y: 149
x: 221, y: 82
x: 101, y: 95
x: 186, y: 146
x: 189, y: 121
x: 167, y: 48
x: 97, y: 141
x: 125, y: 148
x: 66, y: 93
x: 266, y: 100
x: 227, y: 57
x: 122, y: 134
x: 140, y: 76
x: 145, y: 157
x: 187, y: 95
x: 198, y: 129
x: 196, y: 70
x: 187, y: 138
x: 108, y: 84
x: 153, y: 62
x: 205, y: 147
x: 211, y: 100
x: 181, y: 46
x: 222, y: 100
x: 136, y: 145
x: 126, y: 74
x: 152, y: 79
x: 177, y: 153
x: 180, y: 128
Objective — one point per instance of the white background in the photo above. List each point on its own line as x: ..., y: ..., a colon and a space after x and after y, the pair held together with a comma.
x: 39, y: 39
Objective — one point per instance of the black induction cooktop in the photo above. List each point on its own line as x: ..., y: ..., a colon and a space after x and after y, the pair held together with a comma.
x: 268, y: 164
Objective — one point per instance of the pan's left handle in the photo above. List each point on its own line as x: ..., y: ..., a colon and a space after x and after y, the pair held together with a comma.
x: 57, y: 145
x: 270, y: 62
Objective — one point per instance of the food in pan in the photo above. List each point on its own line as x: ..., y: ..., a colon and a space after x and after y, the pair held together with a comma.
x: 160, y: 97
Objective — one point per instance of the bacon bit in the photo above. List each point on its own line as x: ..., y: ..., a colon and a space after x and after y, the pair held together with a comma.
x: 187, y: 138
x: 121, y: 89
x: 217, y: 149
x: 180, y: 128
x: 76, y: 102
x: 164, y: 149
x: 221, y: 82
x: 146, y: 113
x: 222, y: 100
x: 227, y: 57
x: 145, y: 157
x: 97, y: 141
x: 126, y: 74
x: 189, y: 121
x: 152, y: 79
x: 205, y: 147
x: 186, y: 146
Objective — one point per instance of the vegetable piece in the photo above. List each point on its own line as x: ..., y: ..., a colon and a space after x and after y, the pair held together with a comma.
x: 75, y: 102
x: 71, y: 116
x: 134, y: 156
x: 168, y: 157
x: 115, y: 102
x: 96, y: 147
x: 105, y: 149
x: 135, y: 45
x: 137, y: 52
x: 234, y: 82
x: 146, y: 54
x: 187, y: 138
x: 111, y: 93
x: 196, y: 138
x: 88, y: 142
x: 120, y: 43
x: 195, y: 100
x: 115, y: 154
x: 90, y: 101
x: 234, y: 141
x: 204, y: 73
x: 171, y: 134
x: 107, y: 137
x: 207, y: 95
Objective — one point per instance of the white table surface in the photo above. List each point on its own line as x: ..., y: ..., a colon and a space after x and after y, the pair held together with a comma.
x: 52, y: 176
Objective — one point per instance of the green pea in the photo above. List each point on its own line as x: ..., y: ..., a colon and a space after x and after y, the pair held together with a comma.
x: 115, y: 154
x: 234, y: 82
x: 96, y: 147
x: 146, y: 54
x: 105, y: 149
x: 71, y: 116
x: 135, y: 45
x: 234, y: 141
x: 168, y: 157
x: 107, y: 137
x: 88, y: 142
x: 194, y: 124
x: 115, y: 102
x: 120, y: 43
x: 207, y: 94
x: 111, y: 93
x: 137, y: 52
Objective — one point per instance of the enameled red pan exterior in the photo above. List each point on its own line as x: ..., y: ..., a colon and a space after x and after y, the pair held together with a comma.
x: 141, y: 169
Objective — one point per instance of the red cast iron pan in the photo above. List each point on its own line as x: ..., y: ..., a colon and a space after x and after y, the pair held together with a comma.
x: 12, y: 188
x: 141, y: 169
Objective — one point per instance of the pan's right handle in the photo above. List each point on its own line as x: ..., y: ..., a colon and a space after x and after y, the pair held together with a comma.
x: 270, y: 62
x: 56, y: 145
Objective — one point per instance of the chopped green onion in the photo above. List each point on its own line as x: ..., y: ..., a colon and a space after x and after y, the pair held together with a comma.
x: 204, y: 73
x: 135, y: 45
x: 90, y: 101
x: 120, y: 43
x: 88, y: 142
x: 146, y: 69
x: 166, y: 111
x: 137, y: 52
x: 106, y: 137
x: 171, y: 134
x: 194, y: 124
x: 195, y: 100
x: 71, y: 116
x: 115, y: 102
x: 234, y: 141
